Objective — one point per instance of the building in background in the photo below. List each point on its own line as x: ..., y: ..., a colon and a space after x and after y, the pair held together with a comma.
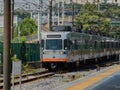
x: 75, y: 1
x: 2, y: 21
x: 90, y: 1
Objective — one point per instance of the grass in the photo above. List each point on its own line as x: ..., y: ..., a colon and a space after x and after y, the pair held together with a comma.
x: 27, y: 69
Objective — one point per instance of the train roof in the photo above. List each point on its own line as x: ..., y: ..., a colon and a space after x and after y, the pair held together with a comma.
x: 50, y: 32
x: 109, y: 39
x: 78, y: 35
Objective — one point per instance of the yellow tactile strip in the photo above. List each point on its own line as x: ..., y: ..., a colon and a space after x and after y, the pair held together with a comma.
x: 94, y: 79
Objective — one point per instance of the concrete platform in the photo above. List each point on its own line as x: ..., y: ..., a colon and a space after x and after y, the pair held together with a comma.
x: 106, y: 79
x: 112, y: 82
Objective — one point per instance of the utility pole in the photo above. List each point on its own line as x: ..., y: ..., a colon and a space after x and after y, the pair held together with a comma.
x: 39, y: 20
x: 50, y: 17
x: 63, y: 11
x: 58, y: 11
x: 72, y: 12
x: 12, y: 19
x: 53, y: 13
x: 7, y: 36
x: 29, y: 9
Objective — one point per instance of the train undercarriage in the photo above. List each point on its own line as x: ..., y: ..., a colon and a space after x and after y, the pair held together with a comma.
x: 54, y: 66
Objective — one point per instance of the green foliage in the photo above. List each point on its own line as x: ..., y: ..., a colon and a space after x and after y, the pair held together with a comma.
x: 14, y: 58
x: 115, y: 30
x: 110, y: 11
x: 26, y: 27
x: 91, y: 19
x: 22, y: 39
x: 91, y: 9
x: 27, y: 69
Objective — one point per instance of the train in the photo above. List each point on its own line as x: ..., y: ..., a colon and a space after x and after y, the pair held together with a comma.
x: 66, y: 48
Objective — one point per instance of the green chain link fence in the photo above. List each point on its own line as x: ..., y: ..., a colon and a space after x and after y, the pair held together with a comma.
x: 27, y: 52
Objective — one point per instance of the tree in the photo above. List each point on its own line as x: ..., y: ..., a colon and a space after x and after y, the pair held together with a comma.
x: 110, y: 10
x: 91, y: 19
x: 115, y: 31
x: 26, y: 27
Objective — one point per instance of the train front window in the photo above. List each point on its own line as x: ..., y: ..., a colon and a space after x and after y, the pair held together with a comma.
x: 54, y: 44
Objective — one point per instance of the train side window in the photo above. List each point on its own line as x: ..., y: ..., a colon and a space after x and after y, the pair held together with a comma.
x: 86, y: 44
x: 98, y: 45
x: 83, y: 44
x: 115, y: 44
x: 66, y: 44
x: 42, y: 43
x: 119, y: 44
x: 107, y: 45
x: 102, y: 45
x: 76, y: 44
x: 80, y: 44
x: 111, y: 44
x: 95, y: 44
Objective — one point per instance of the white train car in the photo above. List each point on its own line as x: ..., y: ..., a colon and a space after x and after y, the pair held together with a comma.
x: 64, y: 48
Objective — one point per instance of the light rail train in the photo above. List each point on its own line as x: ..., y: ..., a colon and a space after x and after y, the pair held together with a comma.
x: 65, y: 48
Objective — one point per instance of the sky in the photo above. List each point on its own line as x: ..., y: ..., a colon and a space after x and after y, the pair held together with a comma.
x: 24, y: 4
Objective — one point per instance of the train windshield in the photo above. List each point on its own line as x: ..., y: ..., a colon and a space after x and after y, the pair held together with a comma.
x: 54, y: 44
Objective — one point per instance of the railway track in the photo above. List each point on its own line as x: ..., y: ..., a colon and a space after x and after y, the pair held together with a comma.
x: 99, y: 66
x: 28, y: 77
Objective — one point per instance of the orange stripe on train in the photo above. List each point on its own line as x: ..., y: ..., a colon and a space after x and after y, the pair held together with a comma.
x: 55, y: 59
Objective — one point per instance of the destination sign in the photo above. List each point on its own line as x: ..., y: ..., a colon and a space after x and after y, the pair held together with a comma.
x: 53, y: 36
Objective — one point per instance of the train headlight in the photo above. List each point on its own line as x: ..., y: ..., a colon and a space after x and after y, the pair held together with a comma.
x: 58, y: 52
x: 45, y: 52
x: 62, y: 52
